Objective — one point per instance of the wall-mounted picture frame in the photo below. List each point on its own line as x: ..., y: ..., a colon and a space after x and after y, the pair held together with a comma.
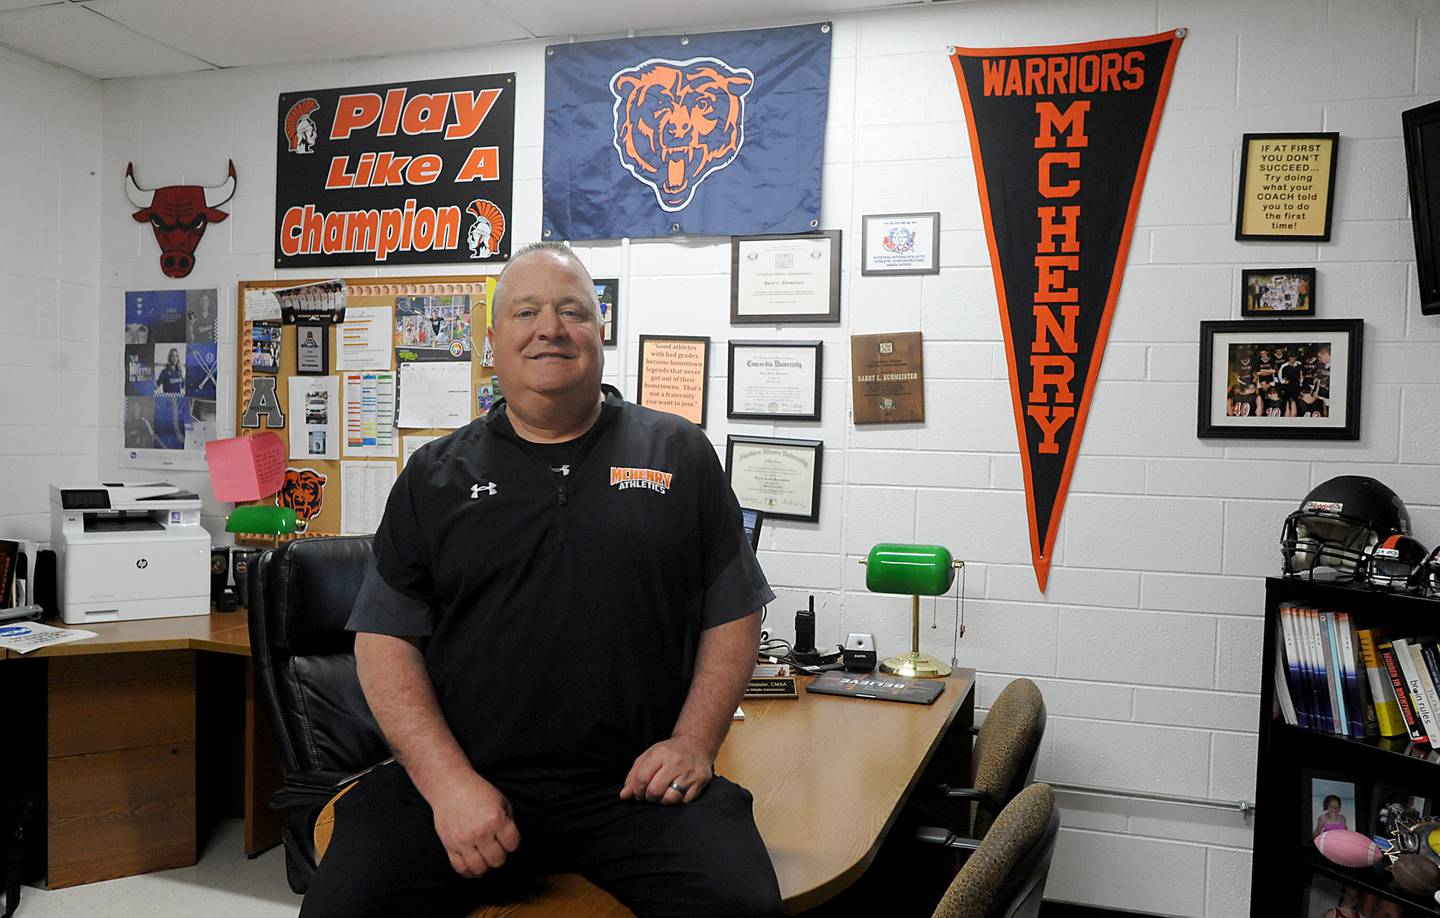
x: 900, y: 244
x: 774, y: 380
x: 1287, y: 184
x: 785, y: 279
x: 312, y: 349
x: 674, y: 374
x: 1280, y: 379
x: 1277, y: 292
x: 607, y: 292
x: 778, y: 476
x: 1422, y: 162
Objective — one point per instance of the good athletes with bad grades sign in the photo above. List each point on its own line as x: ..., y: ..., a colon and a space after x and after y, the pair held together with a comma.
x: 1061, y: 138
x: 404, y: 173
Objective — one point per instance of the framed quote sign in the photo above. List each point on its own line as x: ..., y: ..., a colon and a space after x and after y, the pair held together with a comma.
x: 673, y: 374
x: 1286, y: 184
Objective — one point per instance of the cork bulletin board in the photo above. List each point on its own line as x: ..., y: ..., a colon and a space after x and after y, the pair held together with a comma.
x: 341, y: 461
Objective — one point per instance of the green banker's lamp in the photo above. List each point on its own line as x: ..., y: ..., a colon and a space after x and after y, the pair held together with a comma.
x: 917, y: 570
x: 262, y: 519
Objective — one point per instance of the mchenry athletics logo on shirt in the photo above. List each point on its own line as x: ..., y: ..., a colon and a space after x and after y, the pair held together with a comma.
x: 652, y: 479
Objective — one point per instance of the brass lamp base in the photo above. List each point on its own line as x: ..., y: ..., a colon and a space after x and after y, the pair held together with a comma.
x: 915, y: 666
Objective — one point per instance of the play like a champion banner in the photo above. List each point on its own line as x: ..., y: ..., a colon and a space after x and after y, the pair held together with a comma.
x: 1061, y: 138
x: 715, y: 134
x: 404, y: 173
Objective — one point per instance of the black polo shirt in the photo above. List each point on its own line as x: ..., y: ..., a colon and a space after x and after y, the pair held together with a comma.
x: 563, y: 602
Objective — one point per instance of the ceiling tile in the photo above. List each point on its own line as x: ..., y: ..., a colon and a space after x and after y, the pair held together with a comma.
x: 558, y: 18
x: 77, y: 38
x: 232, y: 34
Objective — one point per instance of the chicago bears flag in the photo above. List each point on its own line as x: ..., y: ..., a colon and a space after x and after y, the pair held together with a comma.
x: 718, y: 134
x: 1061, y: 138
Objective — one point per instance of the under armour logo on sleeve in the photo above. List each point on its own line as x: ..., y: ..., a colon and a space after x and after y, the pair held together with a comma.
x: 488, y: 488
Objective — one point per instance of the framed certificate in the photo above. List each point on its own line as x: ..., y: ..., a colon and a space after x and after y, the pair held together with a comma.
x: 776, y: 279
x: 900, y: 244
x: 774, y: 380
x: 673, y: 375
x: 312, y: 349
x: 777, y: 476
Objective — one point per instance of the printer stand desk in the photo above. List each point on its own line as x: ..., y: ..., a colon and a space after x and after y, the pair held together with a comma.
x: 122, y: 755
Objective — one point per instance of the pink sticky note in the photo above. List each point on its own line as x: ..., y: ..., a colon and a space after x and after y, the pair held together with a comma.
x: 246, y: 468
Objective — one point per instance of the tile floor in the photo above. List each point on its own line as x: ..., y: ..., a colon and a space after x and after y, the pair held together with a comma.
x: 224, y: 884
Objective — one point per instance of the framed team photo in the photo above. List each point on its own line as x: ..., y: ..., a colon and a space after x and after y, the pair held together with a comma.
x: 900, y: 244
x: 1280, y: 379
x: 607, y: 292
x: 1277, y: 292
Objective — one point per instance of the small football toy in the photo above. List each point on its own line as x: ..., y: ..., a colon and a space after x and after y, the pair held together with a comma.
x: 1348, y: 849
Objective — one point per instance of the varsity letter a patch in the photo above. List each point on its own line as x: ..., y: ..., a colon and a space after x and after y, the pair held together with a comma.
x: 1061, y: 139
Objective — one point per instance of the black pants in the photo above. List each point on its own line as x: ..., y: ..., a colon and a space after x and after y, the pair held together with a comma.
x: 702, y: 858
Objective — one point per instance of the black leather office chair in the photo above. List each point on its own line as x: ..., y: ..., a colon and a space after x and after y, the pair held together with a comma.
x: 1004, y: 877
x: 300, y: 598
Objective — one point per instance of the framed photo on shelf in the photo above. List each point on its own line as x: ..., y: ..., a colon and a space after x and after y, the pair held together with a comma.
x: 1333, y: 897
x: 1287, y: 182
x: 1280, y: 379
x: 780, y: 477
x: 774, y: 380
x: 674, y: 375
x: 1266, y: 292
x: 1333, y: 804
x: 607, y: 291
x: 784, y: 279
x: 900, y: 243
x: 1389, y: 804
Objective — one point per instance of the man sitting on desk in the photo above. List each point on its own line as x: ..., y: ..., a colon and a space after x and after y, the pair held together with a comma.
x: 564, y: 615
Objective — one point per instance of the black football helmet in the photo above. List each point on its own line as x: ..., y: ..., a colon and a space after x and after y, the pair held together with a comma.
x: 1338, y: 525
x: 1397, y: 563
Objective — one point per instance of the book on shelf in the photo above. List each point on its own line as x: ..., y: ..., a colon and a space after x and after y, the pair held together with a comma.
x: 1289, y: 662
x: 1416, y: 680
x: 1357, y: 687
x: 1388, y: 720
x: 1334, y: 676
x: 1396, y: 674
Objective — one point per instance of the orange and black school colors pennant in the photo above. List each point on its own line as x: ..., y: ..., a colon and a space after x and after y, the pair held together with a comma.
x: 1061, y: 138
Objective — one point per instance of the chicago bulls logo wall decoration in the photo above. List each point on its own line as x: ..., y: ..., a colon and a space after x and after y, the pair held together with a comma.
x: 179, y: 214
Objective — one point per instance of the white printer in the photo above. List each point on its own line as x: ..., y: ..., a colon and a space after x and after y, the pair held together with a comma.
x: 127, y: 551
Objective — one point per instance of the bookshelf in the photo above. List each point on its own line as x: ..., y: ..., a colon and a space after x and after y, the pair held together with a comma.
x: 1285, y: 864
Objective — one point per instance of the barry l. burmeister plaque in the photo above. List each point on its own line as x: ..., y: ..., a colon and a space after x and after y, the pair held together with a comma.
x: 888, y: 382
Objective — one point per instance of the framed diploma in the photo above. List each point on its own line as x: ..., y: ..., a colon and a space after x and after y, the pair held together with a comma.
x: 673, y: 373
x: 900, y: 244
x: 774, y: 380
x: 777, y: 279
x: 888, y: 378
x: 777, y: 476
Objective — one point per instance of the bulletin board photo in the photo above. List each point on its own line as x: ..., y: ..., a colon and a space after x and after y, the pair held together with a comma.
x: 355, y: 376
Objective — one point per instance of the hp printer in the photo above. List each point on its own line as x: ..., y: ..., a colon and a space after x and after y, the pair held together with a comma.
x: 128, y: 551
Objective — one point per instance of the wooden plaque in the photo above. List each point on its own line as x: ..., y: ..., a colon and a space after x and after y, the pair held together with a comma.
x: 887, y: 378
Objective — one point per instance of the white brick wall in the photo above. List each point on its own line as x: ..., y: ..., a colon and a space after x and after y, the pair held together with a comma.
x: 49, y: 287
x: 1146, y: 645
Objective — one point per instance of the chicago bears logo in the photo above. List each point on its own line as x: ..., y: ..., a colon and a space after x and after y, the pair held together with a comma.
x: 676, y: 122
x: 300, y: 130
x: 304, y: 492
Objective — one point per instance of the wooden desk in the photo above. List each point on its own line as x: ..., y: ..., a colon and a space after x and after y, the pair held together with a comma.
x: 120, y: 734
x: 829, y: 776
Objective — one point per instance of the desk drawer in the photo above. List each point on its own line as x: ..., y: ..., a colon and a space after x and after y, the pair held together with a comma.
x: 121, y: 701
x: 114, y: 814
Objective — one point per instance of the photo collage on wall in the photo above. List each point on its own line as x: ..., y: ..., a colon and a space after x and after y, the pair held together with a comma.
x: 171, y: 372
